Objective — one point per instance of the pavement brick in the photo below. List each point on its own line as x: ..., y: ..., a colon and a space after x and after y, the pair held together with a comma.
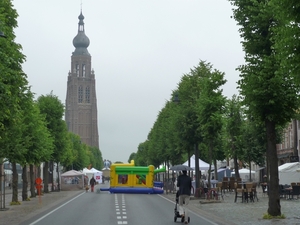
x: 228, y: 212
x: 16, y: 214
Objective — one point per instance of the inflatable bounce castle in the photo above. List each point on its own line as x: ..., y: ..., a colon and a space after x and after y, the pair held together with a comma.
x: 128, y: 178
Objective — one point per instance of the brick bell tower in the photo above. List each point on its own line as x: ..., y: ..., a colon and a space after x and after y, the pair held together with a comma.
x: 81, y: 100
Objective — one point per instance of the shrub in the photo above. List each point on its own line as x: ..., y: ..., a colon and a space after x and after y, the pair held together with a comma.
x: 269, y: 217
x: 15, y: 203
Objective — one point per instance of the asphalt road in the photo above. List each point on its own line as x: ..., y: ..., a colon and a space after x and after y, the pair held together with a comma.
x: 105, y: 208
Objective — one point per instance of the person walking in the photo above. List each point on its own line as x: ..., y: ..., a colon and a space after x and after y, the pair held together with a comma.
x: 92, y: 183
x: 184, y: 182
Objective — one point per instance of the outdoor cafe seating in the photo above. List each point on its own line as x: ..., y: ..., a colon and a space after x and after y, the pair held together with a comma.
x: 246, y: 191
x: 249, y: 195
x: 239, y: 191
x: 231, y: 184
x: 254, y: 191
x: 289, y: 192
x: 295, y: 191
x: 224, y: 185
x: 219, y: 189
x: 285, y: 191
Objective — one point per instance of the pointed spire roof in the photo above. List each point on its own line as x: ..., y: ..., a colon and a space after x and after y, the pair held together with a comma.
x: 81, y: 42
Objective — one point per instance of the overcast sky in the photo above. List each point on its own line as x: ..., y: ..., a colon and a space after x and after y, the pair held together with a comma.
x: 140, y: 49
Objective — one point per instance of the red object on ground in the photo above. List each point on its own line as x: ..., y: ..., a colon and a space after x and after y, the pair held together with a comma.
x: 38, y: 185
x: 38, y: 180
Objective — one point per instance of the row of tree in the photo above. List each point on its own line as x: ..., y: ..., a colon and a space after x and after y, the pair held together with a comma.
x: 33, y: 131
x: 198, y: 119
x: 247, y: 127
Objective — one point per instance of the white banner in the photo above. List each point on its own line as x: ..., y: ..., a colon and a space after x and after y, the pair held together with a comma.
x: 98, y: 177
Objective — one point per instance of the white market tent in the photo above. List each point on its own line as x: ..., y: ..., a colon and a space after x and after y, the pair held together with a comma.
x: 72, y: 180
x: 71, y: 173
x: 202, y: 165
x: 97, y: 175
x: 95, y: 170
x: 93, y: 173
x: 88, y: 173
x: 245, y: 174
x: 289, y: 172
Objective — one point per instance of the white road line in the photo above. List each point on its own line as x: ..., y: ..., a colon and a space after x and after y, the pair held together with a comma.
x: 122, y: 219
x: 56, y: 209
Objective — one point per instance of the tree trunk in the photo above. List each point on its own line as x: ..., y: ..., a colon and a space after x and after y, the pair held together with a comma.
x: 58, y: 178
x: 236, y: 167
x: 51, y: 175
x: 189, y: 162
x: 250, y: 169
x: 197, y: 181
x: 32, y: 182
x: 295, y: 137
x: 215, y: 169
x: 39, y: 172
x: 210, y: 159
x: 46, y: 177
x: 274, y: 200
x: 14, y: 183
x: 168, y: 167
x: 2, y: 206
x: 25, y: 183
x: 235, y: 160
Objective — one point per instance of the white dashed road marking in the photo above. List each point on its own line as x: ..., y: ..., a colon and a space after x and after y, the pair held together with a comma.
x: 122, y: 219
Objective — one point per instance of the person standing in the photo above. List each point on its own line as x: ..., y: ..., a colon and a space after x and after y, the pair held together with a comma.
x: 184, y: 182
x: 92, y: 183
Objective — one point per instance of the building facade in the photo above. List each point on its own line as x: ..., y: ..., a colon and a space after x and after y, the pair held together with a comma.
x: 81, y: 101
x: 290, y: 143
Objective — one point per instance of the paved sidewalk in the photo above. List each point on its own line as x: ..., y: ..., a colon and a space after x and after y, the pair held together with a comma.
x: 16, y: 214
x: 228, y: 212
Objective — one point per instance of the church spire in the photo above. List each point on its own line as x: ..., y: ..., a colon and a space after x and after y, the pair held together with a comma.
x: 81, y: 42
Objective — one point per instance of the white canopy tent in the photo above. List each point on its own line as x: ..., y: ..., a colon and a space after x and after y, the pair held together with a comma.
x: 72, y: 180
x: 86, y: 170
x: 95, y: 170
x: 245, y: 174
x: 88, y: 173
x: 202, y: 165
x: 97, y: 174
x: 289, y: 173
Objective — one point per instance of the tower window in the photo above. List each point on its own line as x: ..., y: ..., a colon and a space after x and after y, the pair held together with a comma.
x: 87, y: 94
x: 77, y: 70
x: 83, y: 70
x: 80, y: 27
x: 80, y: 94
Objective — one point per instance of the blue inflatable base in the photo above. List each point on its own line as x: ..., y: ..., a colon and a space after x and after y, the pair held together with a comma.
x: 134, y: 190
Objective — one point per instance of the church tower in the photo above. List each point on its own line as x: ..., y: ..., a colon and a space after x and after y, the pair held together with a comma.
x: 81, y: 101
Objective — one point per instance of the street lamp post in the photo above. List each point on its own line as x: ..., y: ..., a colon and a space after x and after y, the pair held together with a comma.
x: 196, y: 152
